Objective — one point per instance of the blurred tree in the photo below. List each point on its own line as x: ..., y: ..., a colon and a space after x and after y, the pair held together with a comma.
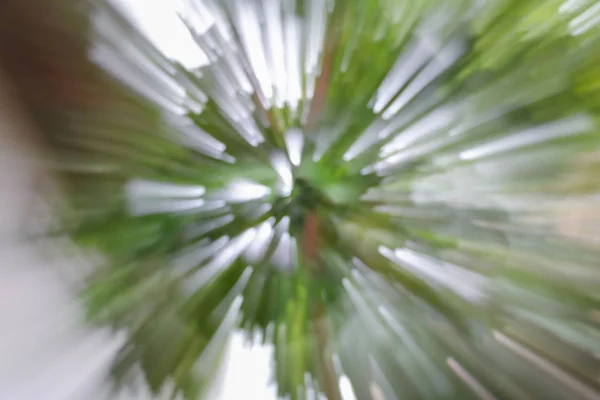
x: 375, y: 187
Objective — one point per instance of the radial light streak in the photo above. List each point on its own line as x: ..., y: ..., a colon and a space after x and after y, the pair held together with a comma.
x: 380, y: 180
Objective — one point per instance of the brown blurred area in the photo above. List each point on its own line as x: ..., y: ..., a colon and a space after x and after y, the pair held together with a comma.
x: 43, y: 51
x: 43, y: 67
x: 43, y: 55
x: 49, y: 78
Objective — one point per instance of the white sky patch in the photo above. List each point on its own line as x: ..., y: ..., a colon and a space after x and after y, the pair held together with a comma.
x: 248, y: 372
x: 294, y: 140
x: 250, y: 31
x: 282, y: 166
x: 586, y: 20
x: 275, y: 49
x: 256, y: 250
x: 159, y: 22
x: 346, y: 388
x: 149, y: 197
x: 144, y: 188
x: 244, y: 190
x: 292, y: 31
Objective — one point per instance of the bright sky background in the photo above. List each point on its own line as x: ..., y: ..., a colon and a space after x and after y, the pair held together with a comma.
x: 159, y: 21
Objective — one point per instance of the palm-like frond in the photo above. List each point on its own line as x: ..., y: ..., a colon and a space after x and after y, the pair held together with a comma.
x: 377, y: 187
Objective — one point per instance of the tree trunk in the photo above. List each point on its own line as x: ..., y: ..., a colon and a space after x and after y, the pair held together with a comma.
x: 310, y: 242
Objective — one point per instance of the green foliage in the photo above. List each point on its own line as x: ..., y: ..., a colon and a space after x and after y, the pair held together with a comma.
x: 419, y: 234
